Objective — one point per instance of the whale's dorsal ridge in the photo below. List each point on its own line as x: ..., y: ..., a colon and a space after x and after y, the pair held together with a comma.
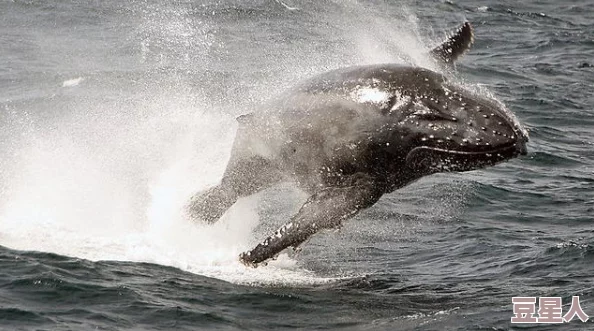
x: 245, y: 118
x: 455, y: 46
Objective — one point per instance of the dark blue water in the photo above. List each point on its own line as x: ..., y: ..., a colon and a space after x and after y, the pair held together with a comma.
x: 112, y: 113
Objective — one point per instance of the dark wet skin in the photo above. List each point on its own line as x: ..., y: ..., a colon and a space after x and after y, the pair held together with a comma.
x: 349, y: 136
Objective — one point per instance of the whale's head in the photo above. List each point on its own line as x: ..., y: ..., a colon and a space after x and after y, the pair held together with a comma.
x: 450, y: 128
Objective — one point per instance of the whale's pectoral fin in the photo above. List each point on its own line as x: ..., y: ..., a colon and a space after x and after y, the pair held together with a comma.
x: 455, y: 46
x: 243, y: 176
x: 323, y: 210
x: 211, y: 204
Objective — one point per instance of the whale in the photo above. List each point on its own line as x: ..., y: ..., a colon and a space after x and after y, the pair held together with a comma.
x: 348, y: 136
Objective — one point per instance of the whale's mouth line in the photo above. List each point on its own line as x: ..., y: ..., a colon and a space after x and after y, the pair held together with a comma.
x: 432, y: 157
x: 505, y: 148
x: 496, y: 154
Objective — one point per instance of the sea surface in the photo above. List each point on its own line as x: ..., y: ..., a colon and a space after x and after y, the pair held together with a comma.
x: 112, y: 113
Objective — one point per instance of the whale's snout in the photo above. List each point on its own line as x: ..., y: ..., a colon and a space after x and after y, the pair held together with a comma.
x: 504, y: 127
x: 521, y: 143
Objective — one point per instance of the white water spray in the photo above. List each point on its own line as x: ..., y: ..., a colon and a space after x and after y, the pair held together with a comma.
x: 100, y: 167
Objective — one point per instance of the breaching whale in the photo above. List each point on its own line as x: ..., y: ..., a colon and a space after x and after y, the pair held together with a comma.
x: 348, y: 136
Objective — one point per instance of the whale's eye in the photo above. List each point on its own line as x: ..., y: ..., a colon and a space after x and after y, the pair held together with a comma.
x: 398, y: 103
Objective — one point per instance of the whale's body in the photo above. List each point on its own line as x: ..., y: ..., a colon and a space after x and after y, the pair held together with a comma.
x: 348, y: 136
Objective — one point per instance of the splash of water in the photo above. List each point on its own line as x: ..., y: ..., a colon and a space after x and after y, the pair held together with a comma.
x: 106, y: 179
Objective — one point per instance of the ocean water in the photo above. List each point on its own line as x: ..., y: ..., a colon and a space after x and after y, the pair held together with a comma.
x: 112, y: 113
